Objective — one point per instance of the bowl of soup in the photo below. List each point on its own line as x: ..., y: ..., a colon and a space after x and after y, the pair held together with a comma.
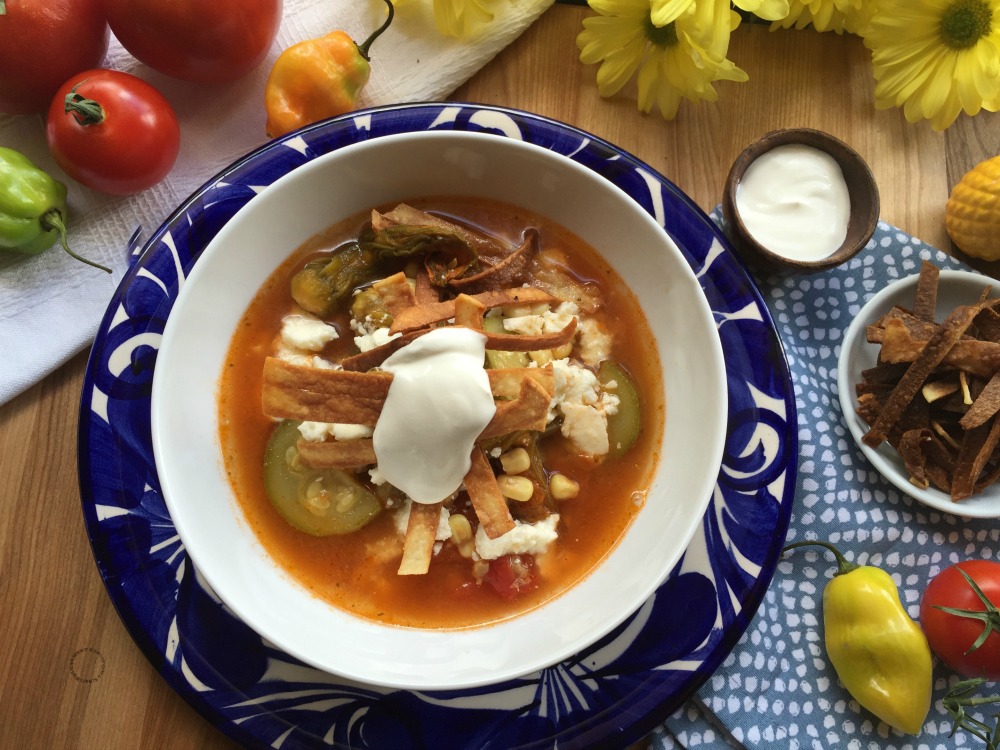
x: 438, y: 410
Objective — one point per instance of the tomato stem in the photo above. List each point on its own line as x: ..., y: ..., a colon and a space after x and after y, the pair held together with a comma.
x: 367, y: 43
x: 85, y: 111
x: 53, y: 219
x: 843, y: 564
x: 956, y: 701
x: 990, y: 617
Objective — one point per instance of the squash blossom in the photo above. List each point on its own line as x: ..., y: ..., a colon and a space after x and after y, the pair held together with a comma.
x: 879, y: 653
x: 318, y: 78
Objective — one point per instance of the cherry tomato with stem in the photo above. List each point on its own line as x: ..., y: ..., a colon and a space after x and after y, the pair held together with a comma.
x: 959, y: 615
x: 112, y: 132
x: 44, y: 42
x: 203, y: 41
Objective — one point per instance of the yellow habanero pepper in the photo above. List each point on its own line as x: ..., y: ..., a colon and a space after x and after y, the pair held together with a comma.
x: 317, y: 78
x: 880, y: 654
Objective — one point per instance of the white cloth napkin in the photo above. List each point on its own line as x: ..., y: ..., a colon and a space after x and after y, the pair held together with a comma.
x: 51, y: 305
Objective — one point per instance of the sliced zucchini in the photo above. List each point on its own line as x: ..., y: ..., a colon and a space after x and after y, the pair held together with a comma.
x: 624, y: 425
x: 320, y: 502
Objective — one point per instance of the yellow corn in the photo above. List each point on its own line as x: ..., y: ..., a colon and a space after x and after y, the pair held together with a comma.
x: 516, y: 488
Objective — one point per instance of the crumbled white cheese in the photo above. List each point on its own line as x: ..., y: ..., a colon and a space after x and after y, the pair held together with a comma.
x: 594, y: 342
x: 523, y: 539
x: 316, y: 432
x: 379, y: 336
x: 585, y: 407
x: 550, y: 321
x: 306, y: 332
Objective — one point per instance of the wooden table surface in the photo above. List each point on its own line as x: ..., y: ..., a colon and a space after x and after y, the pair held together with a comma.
x: 71, y: 676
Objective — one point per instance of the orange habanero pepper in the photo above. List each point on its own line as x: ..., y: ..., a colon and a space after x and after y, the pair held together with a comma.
x: 317, y: 78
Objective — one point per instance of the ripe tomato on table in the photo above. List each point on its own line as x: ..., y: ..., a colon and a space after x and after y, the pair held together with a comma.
x: 112, y: 132
x: 204, y: 41
x: 44, y: 42
x: 952, y: 635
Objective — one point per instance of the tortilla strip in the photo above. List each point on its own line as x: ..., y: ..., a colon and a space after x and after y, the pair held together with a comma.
x: 510, y: 342
x: 926, y: 458
x: 929, y: 358
x: 927, y: 287
x: 529, y: 411
x: 418, y: 545
x: 484, y: 493
x: 374, y: 357
x: 505, y: 382
x: 337, y: 454
x: 977, y: 447
x: 510, y: 271
x: 422, y: 316
x: 293, y: 391
x: 396, y: 292
x: 980, y: 358
x: 469, y: 312
x: 988, y: 325
x: 986, y: 405
x: 424, y: 292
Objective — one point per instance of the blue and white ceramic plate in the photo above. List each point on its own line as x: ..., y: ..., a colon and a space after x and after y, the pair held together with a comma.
x: 611, y: 694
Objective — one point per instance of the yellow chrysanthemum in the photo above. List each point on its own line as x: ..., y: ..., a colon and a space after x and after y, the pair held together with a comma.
x: 769, y: 10
x: 677, y: 61
x: 851, y: 16
x: 460, y: 17
x: 936, y: 58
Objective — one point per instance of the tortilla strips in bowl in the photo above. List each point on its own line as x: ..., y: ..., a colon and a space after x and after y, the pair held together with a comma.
x: 926, y: 393
x: 436, y: 411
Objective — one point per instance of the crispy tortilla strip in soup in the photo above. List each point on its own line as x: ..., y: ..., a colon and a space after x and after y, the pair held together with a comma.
x: 529, y: 320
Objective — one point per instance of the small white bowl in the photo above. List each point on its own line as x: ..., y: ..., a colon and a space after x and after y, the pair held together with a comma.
x: 954, y: 288
x: 340, y: 184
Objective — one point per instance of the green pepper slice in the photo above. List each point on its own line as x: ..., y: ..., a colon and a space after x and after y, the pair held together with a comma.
x: 624, y: 425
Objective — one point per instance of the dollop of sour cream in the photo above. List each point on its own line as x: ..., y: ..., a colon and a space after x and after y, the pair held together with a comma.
x: 794, y: 201
x: 438, y: 403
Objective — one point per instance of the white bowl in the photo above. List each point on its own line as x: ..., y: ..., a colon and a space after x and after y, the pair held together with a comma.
x: 954, y: 288
x: 320, y: 193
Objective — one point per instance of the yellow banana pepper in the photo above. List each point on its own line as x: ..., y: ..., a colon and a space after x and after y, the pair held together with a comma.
x: 317, y: 78
x: 879, y: 653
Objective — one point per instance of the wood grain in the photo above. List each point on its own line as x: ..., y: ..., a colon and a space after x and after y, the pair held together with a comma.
x: 70, y: 675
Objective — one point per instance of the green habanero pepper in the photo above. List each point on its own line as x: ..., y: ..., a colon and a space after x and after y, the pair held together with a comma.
x: 879, y: 653
x: 32, y: 208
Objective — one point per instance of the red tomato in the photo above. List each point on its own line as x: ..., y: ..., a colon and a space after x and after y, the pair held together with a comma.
x: 133, y: 144
x: 44, y: 42
x: 951, y: 636
x: 511, y: 575
x: 204, y: 41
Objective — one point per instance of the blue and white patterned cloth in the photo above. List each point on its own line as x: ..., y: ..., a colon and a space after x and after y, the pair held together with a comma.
x: 777, y: 689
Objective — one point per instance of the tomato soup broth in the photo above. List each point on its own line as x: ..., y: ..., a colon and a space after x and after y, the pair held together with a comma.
x: 357, y: 571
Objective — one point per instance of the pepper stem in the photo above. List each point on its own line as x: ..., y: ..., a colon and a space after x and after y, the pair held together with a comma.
x: 367, y: 43
x: 990, y: 617
x: 85, y: 111
x: 843, y: 564
x: 53, y: 219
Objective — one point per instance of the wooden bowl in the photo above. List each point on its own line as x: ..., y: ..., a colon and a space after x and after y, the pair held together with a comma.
x: 860, y: 186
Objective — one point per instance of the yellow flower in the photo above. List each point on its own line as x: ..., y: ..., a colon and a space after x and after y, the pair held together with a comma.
x: 851, y: 16
x: 936, y: 58
x: 679, y: 60
x: 460, y: 17
x: 769, y: 10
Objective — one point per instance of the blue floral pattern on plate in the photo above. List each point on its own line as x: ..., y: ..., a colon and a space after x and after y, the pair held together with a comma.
x: 612, y: 693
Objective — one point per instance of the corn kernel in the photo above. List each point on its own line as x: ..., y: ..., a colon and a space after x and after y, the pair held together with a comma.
x: 561, y: 352
x: 516, y: 488
x: 562, y: 487
x: 461, y: 529
x: 480, y: 568
x: 516, y: 310
x: 515, y: 461
x: 541, y: 357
